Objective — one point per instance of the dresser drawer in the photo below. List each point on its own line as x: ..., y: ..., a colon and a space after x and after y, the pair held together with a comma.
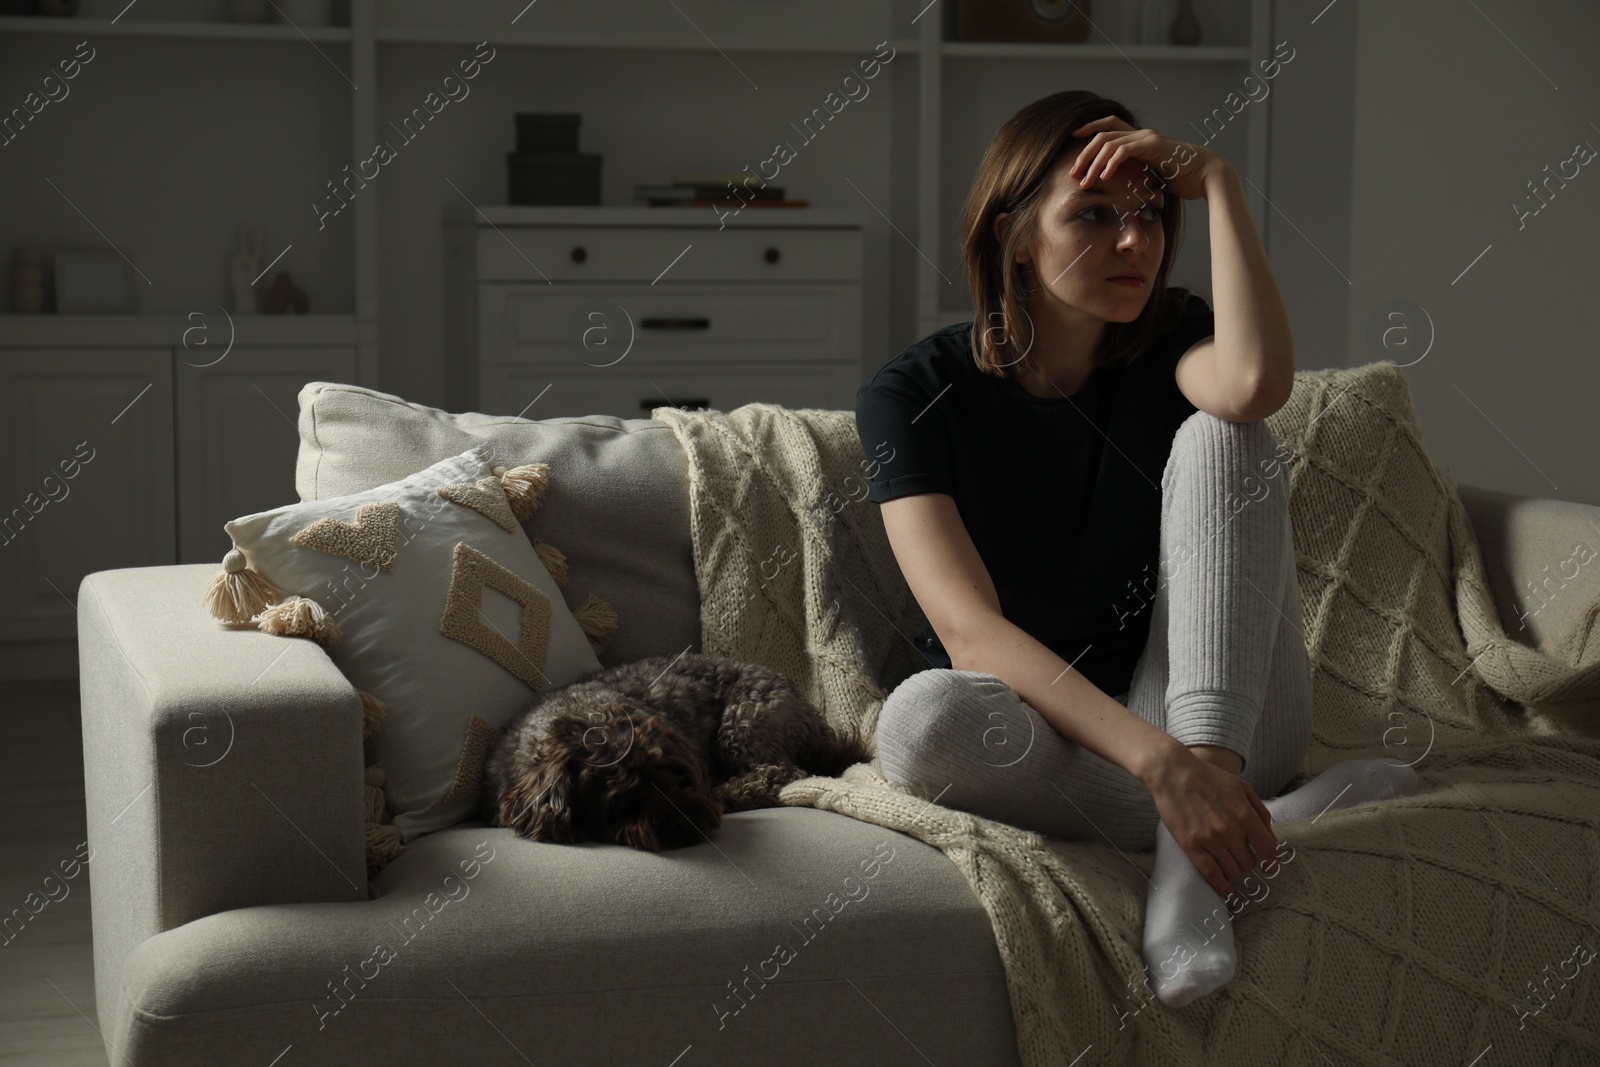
x: 631, y: 394
x: 602, y: 325
x: 663, y: 255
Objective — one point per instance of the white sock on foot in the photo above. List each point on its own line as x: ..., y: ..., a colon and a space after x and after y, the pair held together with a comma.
x: 1188, y: 929
x: 1350, y: 782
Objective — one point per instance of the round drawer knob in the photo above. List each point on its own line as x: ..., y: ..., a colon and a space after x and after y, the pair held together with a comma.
x: 771, y: 255
x: 579, y: 254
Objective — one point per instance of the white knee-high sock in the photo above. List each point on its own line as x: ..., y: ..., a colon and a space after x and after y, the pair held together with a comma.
x: 1188, y: 928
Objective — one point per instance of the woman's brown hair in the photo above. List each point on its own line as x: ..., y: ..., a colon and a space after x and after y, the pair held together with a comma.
x: 1012, y: 177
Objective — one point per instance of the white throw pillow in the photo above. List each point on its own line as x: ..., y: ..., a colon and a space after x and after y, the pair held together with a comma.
x: 442, y: 610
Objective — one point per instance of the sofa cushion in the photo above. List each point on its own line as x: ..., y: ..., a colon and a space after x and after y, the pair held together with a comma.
x: 447, y: 615
x: 595, y: 954
x: 617, y: 506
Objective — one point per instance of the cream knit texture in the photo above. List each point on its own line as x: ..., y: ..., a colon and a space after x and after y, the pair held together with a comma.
x: 1423, y: 929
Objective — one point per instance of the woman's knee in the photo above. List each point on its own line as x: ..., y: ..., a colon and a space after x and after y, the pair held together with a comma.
x: 932, y: 718
x: 1251, y: 459
x: 1203, y: 434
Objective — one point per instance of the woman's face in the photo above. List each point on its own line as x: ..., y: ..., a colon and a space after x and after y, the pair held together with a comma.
x: 1089, y: 235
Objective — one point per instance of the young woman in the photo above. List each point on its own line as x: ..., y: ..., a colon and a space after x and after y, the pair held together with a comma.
x: 1084, y: 499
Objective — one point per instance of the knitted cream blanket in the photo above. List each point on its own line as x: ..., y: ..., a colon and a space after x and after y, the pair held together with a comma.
x: 1420, y: 930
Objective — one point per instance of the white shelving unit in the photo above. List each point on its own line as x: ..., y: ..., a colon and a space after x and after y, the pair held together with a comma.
x: 615, y: 25
x: 201, y: 443
x: 355, y: 327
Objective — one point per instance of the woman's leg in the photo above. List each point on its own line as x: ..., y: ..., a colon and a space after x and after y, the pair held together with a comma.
x: 1225, y: 665
x: 968, y: 738
x: 1232, y: 671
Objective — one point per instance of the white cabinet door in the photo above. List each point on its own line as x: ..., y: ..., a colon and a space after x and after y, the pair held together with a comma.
x: 237, y: 436
x: 87, y: 480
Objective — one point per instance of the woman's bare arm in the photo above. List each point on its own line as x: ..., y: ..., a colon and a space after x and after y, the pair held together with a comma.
x: 1245, y: 372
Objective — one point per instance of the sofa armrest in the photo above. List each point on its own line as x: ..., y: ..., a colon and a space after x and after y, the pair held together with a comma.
x: 222, y: 768
x: 1525, y: 541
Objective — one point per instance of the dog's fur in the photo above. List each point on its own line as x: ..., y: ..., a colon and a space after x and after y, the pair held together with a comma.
x: 651, y: 754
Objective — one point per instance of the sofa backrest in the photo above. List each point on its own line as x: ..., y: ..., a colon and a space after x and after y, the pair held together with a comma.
x: 617, y: 506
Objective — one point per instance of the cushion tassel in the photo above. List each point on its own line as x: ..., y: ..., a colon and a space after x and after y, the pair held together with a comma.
x: 554, y: 560
x: 374, y: 794
x: 298, y: 616
x: 372, y: 712
x: 237, y: 594
x: 598, y: 621
x: 525, y: 487
x: 383, y: 845
x: 383, y: 839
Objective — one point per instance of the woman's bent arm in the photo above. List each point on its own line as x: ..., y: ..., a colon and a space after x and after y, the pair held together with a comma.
x: 1246, y: 371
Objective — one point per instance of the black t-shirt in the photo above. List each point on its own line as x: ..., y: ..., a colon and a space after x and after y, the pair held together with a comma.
x: 1061, y: 496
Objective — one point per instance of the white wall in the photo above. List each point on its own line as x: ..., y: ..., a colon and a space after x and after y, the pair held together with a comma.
x: 1453, y: 117
x: 1307, y: 230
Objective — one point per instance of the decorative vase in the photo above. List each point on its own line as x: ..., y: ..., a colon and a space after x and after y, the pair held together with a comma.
x: 1186, y: 28
x: 242, y: 270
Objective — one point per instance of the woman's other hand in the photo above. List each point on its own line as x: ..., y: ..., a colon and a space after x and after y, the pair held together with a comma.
x: 1213, y: 815
x: 1182, y: 167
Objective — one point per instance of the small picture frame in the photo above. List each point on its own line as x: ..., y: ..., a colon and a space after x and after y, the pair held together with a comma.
x: 90, y: 281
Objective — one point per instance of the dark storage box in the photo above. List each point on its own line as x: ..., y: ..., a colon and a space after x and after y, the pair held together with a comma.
x: 1057, y: 21
x: 547, y: 131
x: 553, y: 177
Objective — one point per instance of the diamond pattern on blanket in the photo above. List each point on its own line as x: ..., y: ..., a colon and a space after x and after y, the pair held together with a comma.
x: 372, y: 538
x: 486, y: 497
x: 470, y: 573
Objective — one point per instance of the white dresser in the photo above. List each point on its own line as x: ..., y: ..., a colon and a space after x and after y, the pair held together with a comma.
x: 617, y: 310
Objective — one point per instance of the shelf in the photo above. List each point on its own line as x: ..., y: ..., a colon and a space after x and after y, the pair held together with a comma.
x: 1015, y: 50
x: 238, y: 31
x: 454, y: 35
x: 754, y: 218
x: 167, y: 331
x: 458, y: 36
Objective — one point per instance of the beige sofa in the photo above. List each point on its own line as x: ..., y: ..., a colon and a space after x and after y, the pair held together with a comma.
x: 233, y: 919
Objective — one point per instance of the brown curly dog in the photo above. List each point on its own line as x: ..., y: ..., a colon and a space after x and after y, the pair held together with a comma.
x: 650, y: 754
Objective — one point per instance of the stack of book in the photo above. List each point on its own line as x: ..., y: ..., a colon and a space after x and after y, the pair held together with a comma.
x: 715, y: 190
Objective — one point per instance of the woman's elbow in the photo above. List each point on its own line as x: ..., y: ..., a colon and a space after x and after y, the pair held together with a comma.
x: 1265, y: 398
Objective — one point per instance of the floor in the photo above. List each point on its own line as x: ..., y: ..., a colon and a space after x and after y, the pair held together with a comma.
x: 47, y: 1007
